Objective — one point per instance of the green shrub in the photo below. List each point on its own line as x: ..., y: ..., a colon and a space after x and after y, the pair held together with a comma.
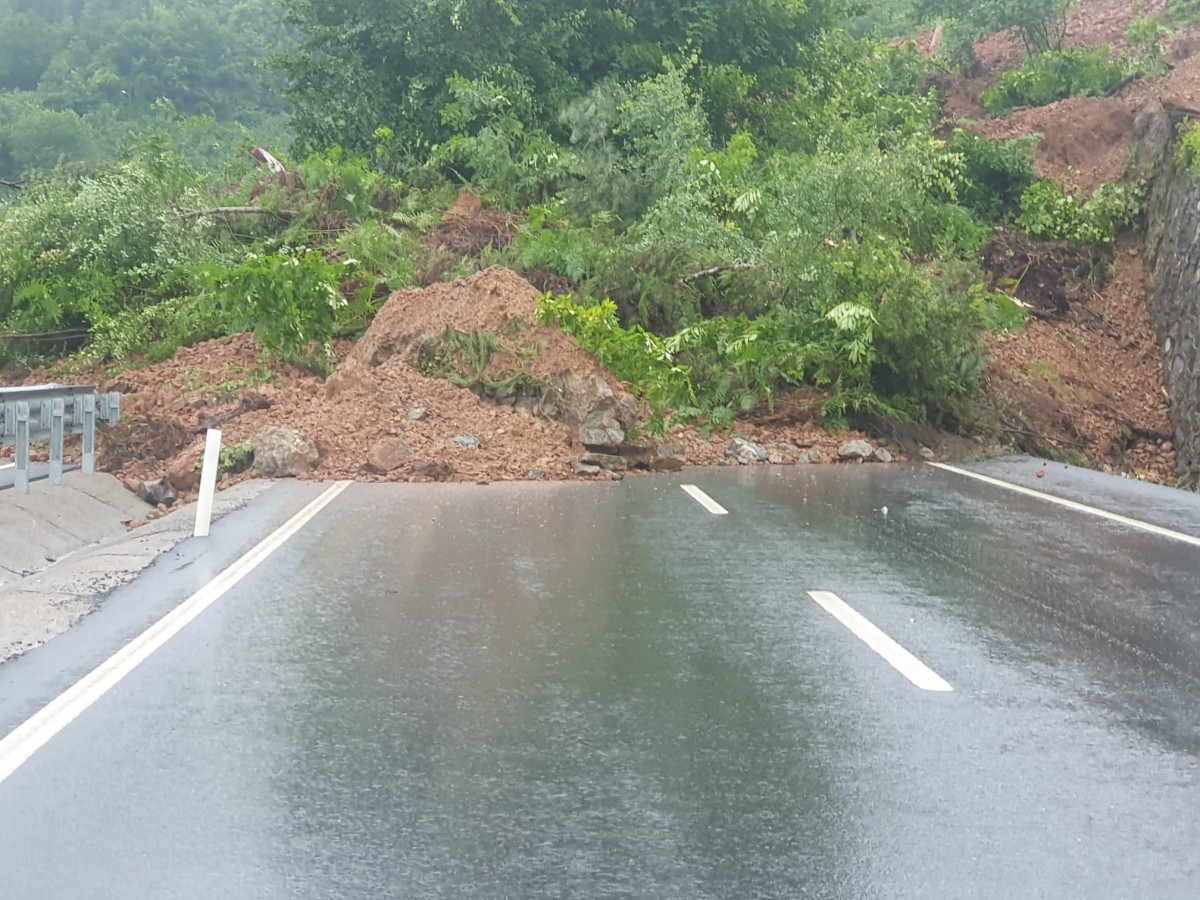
x: 1041, y: 24
x: 929, y: 341
x: 1049, y: 213
x: 289, y: 300
x: 1146, y: 35
x: 1187, y: 151
x: 79, y: 250
x: 153, y: 333
x: 995, y: 174
x: 1180, y: 13
x: 887, y: 337
x: 338, y: 185
x: 382, y: 252
x: 1047, y: 77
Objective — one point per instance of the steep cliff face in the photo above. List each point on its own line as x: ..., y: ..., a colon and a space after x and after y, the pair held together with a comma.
x: 1173, y: 283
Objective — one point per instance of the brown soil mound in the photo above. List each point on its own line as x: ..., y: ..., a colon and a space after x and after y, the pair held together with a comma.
x: 1092, y: 24
x: 1090, y: 382
x: 143, y: 439
x: 1050, y: 278
x: 1097, y: 22
x: 369, y: 401
x: 467, y: 229
x: 497, y: 305
x: 1085, y: 140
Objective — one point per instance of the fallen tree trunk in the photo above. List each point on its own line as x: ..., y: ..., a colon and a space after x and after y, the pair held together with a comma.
x: 43, y: 337
x: 717, y: 270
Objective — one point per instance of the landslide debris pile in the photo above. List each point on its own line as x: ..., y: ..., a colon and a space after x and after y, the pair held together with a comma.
x: 1083, y: 381
x: 456, y: 382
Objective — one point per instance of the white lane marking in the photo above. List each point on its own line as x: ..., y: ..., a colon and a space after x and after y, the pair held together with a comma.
x: 7, y: 466
x: 1071, y: 504
x: 38, y: 729
x: 899, y: 658
x: 704, y: 500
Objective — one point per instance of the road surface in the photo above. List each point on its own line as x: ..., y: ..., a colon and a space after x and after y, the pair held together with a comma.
x: 37, y: 471
x: 569, y: 690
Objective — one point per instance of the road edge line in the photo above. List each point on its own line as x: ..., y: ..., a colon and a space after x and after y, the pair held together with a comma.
x: 1073, y: 505
x: 878, y: 640
x: 35, y: 732
x: 704, y: 500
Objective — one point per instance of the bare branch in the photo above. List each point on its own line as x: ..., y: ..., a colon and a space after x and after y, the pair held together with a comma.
x: 225, y: 212
x: 15, y: 185
x: 66, y: 334
x: 274, y: 166
x: 718, y: 270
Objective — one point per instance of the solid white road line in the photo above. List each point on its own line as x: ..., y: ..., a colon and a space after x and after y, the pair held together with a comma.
x: 35, y: 732
x: 899, y: 658
x: 704, y: 500
x: 1071, y: 504
x: 4, y: 466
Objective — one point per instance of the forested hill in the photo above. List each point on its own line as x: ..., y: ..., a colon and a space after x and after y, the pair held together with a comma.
x: 725, y: 203
x: 77, y: 75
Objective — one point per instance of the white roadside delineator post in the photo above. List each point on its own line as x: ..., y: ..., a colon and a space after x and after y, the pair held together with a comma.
x: 208, y: 482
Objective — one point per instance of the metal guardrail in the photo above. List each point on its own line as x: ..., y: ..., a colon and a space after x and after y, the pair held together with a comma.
x: 47, y: 413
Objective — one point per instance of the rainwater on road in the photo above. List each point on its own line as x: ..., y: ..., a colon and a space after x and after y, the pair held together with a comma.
x: 556, y: 690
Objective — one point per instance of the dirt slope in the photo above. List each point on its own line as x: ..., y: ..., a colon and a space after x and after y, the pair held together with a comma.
x: 1089, y: 385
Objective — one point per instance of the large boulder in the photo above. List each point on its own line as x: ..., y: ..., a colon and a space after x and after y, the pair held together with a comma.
x: 667, y: 458
x: 432, y: 469
x: 588, y: 404
x: 746, y: 452
x: 183, y: 473
x: 855, y: 451
x: 283, y: 453
x: 388, y: 455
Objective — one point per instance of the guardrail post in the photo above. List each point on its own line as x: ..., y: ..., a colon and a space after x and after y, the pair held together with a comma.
x: 49, y: 413
x: 21, y: 482
x: 89, y: 434
x: 58, y: 412
x: 208, y: 482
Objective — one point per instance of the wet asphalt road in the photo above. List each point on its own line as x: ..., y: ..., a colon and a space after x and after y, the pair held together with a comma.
x: 596, y: 691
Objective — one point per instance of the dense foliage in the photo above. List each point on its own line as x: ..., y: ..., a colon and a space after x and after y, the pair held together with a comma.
x: 1056, y: 75
x: 76, y: 76
x: 1187, y: 151
x: 362, y: 64
x: 742, y: 197
x: 1041, y: 24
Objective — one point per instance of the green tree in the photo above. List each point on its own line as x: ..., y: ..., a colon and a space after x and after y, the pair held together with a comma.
x: 363, y: 64
x: 1041, y: 24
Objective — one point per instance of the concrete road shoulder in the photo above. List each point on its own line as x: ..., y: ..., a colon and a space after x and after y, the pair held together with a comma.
x: 67, y: 548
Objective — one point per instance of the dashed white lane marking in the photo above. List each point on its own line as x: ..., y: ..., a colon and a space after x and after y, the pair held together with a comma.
x: 4, y: 466
x: 899, y: 658
x: 704, y: 500
x: 1071, y: 504
x: 36, y: 732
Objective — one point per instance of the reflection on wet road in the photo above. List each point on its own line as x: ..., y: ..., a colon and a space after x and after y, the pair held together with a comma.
x: 573, y: 690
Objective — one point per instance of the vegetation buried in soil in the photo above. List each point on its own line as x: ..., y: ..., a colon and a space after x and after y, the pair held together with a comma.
x: 731, y: 199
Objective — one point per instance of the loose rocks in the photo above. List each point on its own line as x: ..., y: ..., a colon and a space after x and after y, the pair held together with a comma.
x: 855, y: 451
x: 606, y: 461
x: 388, y: 455
x: 283, y: 453
x: 745, y: 452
